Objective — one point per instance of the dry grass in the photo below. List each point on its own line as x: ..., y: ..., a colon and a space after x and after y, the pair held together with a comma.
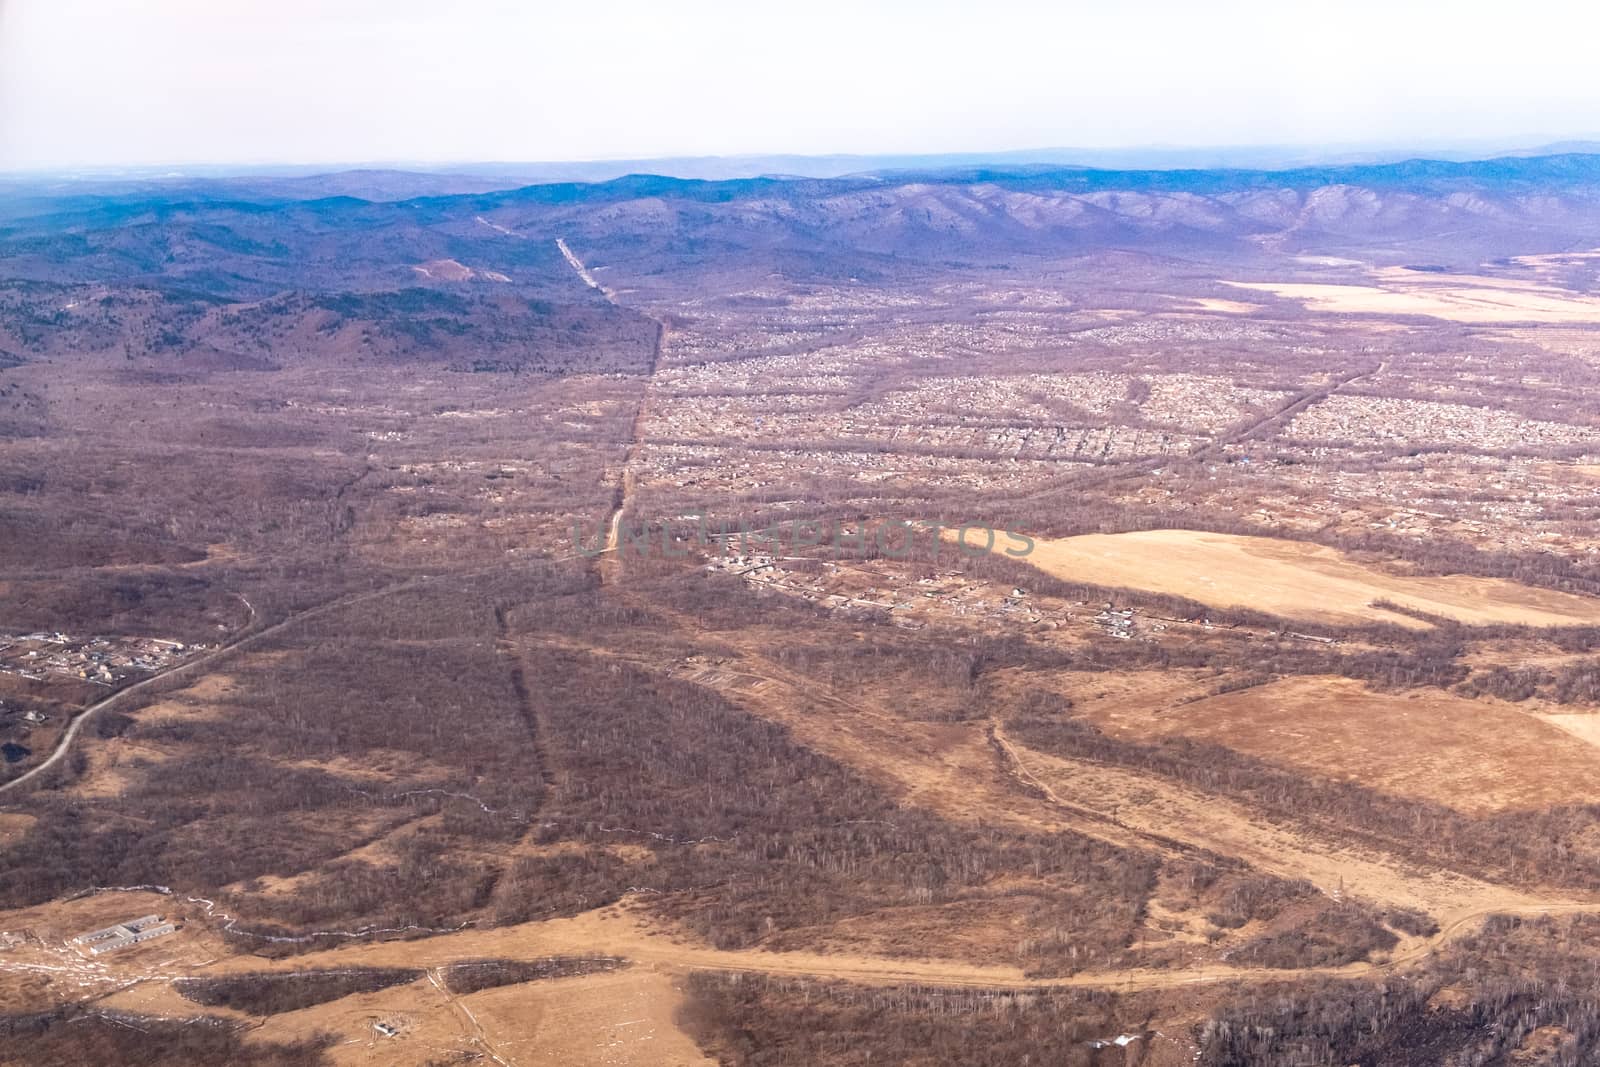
x: 1208, y: 821
x: 1585, y: 727
x: 1454, y: 297
x: 1296, y: 580
x: 15, y: 824
x: 622, y: 1017
x: 1474, y: 755
x: 1226, y: 307
x: 116, y: 765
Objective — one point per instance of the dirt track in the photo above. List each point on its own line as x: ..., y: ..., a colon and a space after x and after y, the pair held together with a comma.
x: 610, y: 565
x: 64, y: 743
x: 619, y: 931
x: 981, y: 773
x: 953, y: 769
x: 1116, y: 805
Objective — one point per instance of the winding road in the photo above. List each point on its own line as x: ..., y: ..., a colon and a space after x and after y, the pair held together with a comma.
x: 75, y: 727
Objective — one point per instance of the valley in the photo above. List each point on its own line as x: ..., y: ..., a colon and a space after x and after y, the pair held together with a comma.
x: 914, y: 619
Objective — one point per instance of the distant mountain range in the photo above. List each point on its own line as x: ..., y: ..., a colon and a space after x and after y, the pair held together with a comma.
x: 240, y: 272
x: 255, y: 236
x: 400, y: 181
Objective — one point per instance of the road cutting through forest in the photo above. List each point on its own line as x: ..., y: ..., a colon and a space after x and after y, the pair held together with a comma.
x: 620, y: 931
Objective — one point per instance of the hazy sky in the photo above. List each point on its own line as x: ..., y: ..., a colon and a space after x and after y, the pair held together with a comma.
x: 230, y: 81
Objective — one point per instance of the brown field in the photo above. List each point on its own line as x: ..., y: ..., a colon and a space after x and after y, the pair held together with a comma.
x: 1585, y: 727
x: 1227, y: 307
x: 1296, y: 580
x: 1473, y: 755
x: 1458, y: 299
x: 14, y: 825
x: 624, y: 1017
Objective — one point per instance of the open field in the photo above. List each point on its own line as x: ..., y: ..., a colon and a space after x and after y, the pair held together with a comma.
x: 1458, y: 299
x: 1297, y: 580
x: 1473, y: 755
x: 630, y: 1015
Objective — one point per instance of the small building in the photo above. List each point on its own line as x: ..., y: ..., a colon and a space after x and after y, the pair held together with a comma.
x: 123, y: 934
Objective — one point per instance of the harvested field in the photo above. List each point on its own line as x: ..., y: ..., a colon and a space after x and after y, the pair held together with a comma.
x: 1473, y: 755
x: 1459, y: 299
x: 1296, y: 580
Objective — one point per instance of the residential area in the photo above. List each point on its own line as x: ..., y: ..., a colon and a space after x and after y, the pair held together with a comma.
x: 915, y: 598
x: 102, y: 661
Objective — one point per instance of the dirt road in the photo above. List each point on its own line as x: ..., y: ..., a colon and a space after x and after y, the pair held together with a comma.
x: 68, y: 736
x: 975, y: 772
x: 610, y: 565
x: 217, y: 655
x: 1149, y: 804
x: 616, y: 931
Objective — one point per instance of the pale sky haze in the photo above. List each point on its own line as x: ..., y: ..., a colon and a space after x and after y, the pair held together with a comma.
x: 85, y: 83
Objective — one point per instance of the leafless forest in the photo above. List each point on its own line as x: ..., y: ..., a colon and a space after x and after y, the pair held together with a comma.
x: 321, y: 638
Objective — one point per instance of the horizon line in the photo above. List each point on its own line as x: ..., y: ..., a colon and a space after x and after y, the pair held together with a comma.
x: 1462, y: 150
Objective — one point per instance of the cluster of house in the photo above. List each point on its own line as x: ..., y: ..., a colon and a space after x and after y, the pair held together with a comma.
x: 1012, y: 416
x: 1398, y: 420
x: 947, y: 595
x: 1118, y: 624
x: 847, y: 589
x: 712, y: 468
x: 100, y: 660
x: 1508, y: 504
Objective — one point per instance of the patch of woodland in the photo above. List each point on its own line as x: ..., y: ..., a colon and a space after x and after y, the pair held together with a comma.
x: 262, y: 316
x: 1296, y: 924
x: 71, y: 1036
x: 1518, y: 991
x: 1571, y: 683
x: 1549, y: 847
x: 426, y: 882
x: 274, y: 992
x: 945, y: 668
x: 1230, y: 897
x: 753, y: 838
x: 759, y: 1021
x: 1337, y: 934
x: 470, y: 976
x: 186, y: 606
x: 1521, y: 991
x: 248, y: 789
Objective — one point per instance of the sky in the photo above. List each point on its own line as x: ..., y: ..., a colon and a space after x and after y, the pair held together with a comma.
x: 158, y: 82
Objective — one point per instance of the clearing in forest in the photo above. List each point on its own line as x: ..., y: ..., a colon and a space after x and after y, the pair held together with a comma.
x: 1477, y: 756
x: 1297, y: 580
